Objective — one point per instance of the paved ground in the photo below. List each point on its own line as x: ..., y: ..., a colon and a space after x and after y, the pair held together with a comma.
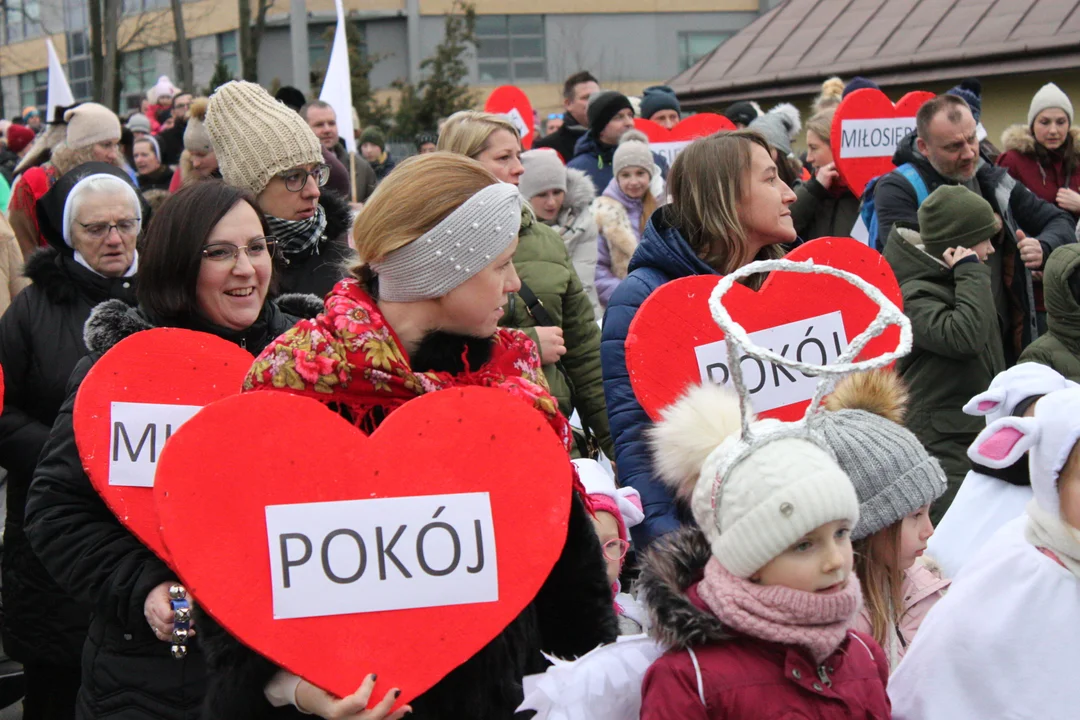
x: 12, y: 713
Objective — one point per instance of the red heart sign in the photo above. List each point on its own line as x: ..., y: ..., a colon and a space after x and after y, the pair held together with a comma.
x: 133, y: 398
x: 673, y: 341
x: 512, y: 101
x: 233, y: 529
x: 670, y: 143
x: 865, y: 131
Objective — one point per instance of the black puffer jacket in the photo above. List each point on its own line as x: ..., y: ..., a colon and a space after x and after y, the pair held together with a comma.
x: 317, y: 270
x: 571, y: 615
x: 127, y: 674
x: 41, y: 341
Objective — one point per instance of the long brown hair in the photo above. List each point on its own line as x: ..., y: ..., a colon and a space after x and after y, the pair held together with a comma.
x: 707, y: 182
x: 878, y: 569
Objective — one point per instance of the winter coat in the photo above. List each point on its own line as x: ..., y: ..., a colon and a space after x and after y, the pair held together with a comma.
x: 711, y: 672
x: 315, y: 271
x: 41, y: 342
x: 571, y: 614
x: 1018, y: 207
x: 923, y: 586
x: 127, y: 673
x: 383, y: 167
x: 1042, y: 178
x: 160, y: 179
x: 8, y: 161
x: 1059, y: 348
x: 12, y: 279
x: 662, y: 256
x: 956, y: 351
x: 544, y: 266
x: 619, y: 222
x: 171, y: 142
x: 597, y: 160
x: 22, y: 210
x: 578, y: 230
x: 820, y: 212
x: 363, y: 180
x: 564, y: 139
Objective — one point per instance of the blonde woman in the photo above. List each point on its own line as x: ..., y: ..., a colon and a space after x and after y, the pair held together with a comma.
x: 552, y: 306
x: 825, y: 206
x: 435, y: 245
x: 728, y: 207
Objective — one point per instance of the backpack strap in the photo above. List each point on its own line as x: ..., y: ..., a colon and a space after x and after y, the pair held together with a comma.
x: 535, y: 307
x: 911, y: 174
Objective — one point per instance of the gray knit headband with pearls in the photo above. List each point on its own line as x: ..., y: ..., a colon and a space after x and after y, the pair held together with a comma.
x: 460, y: 246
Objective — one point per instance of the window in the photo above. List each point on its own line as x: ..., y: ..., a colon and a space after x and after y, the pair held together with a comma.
x: 138, y: 6
x: 228, y: 53
x: 511, y: 48
x: 139, y: 72
x: 78, y: 65
x: 320, y: 40
x: 76, y: 18
x: 21, y: 20
x: 695, y: 45
x: 34, y: 89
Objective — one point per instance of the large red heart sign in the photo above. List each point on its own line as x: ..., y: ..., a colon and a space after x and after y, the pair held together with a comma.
x: 865, y: 131
x: 512, y: 101
x: 670, y: 143
x: 674, y: 343
x: 335, y: 554
x: 133, y: 398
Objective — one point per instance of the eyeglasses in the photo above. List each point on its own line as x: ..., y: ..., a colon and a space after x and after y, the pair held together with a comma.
x: 101, y: 230
x: 257, y: 248
x: 296, y: 179
x: 616, y: 549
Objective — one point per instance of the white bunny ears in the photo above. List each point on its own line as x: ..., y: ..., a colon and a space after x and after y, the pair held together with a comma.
x: 1014, y: 385
x: 597, y: 481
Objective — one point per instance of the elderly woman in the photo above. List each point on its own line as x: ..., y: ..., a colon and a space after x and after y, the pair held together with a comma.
x: 92, y: 134
x: 551, y: 307
x: 152, y: 175
x: 435, y: 316
x: 267, y: 149
x: 207, y: 266
x: 91, y: 217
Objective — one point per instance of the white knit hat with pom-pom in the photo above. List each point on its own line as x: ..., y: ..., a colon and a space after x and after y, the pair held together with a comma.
x: 751, y: 512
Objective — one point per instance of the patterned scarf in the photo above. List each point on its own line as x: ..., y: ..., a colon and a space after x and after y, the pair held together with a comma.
x: 350, y: 359
x: 298, y: 236
x: 780, y: 614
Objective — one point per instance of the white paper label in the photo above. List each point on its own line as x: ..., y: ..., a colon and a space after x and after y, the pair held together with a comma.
x: 877, y: 137
x: 669, y: 150
x: 354, y: 556
x: 519, y: 122
x: 139, y: 432
x: 817, y: 340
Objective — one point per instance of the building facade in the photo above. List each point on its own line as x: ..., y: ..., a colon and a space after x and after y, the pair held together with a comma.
x: 628, y: 44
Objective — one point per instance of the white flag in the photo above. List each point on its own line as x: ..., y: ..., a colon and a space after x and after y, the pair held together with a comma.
x: 337, y: 85
x: 59, y: 92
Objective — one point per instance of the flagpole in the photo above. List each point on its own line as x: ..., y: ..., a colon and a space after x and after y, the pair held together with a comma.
x: 352, y: 174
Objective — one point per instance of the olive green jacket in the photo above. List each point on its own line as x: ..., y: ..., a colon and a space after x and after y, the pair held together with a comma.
x: 1059, y: 348
x: 957, y: 346
x: 542, y: 263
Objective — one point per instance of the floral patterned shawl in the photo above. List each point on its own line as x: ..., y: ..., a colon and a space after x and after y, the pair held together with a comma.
x: 350, y: 359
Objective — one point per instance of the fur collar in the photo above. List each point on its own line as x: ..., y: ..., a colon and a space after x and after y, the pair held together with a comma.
x: 1022, y: 140
x: 580, y: 192
x: 613, y: 222
x: 43, y: 269
x: 338, y: 216
x: 674, y: 563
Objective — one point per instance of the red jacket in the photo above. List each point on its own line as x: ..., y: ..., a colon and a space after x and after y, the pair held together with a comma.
x: 1020, y: 160
x: 743, y: 677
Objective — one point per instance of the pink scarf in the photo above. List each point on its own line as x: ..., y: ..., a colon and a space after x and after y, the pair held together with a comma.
x: 781, y: 614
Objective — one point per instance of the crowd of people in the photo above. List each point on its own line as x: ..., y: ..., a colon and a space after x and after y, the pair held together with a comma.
x: 784, y: 568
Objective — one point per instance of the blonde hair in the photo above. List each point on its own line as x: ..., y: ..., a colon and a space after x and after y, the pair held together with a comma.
x: 832, y: 92
x: 707, y: 183
x: 416, y: 197
x: 65, y: 158
x: 878, y: 568
x: 467, y: 132
x: 821, y: 124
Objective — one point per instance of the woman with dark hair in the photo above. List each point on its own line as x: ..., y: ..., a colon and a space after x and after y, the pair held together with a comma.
x: 207, y: 266
x: 91, y: 217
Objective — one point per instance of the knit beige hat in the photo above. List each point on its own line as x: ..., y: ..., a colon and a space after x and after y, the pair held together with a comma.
x: 196, y: 138
x: 256, y: 137
x: 90, y: 123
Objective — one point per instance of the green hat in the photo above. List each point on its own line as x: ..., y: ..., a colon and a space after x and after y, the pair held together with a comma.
x: 954, y: 216
x: 373, y: 135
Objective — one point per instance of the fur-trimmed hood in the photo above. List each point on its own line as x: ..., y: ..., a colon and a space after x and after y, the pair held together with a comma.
x: 580, y: 193
x: 338, y: 216
x: 1022, y: 140
x: 670, y: 566
x: 113, y: 320
x: 63, y: 280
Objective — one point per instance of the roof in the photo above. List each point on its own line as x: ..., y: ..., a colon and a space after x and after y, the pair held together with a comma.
x: 792, y: 48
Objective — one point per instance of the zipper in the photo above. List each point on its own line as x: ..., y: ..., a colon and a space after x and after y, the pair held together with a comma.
x: 824, y: 676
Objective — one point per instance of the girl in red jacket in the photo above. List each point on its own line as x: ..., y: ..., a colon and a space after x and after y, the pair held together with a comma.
x: 757, y: 603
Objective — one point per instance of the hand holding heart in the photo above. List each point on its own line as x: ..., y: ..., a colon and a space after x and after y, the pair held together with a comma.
x: 1031, y: 251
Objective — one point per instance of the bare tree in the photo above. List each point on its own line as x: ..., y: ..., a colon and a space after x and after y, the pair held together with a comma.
x: 185, y: 72
x: 251, y: 36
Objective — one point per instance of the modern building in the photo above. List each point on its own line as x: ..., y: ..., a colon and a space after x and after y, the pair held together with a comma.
x: 628, y: 44
x: 1013, y: 47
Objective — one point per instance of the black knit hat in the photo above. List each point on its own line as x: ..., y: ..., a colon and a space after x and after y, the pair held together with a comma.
x: 291, y: 96
x: 743, y: 112
x: 603, y: 106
